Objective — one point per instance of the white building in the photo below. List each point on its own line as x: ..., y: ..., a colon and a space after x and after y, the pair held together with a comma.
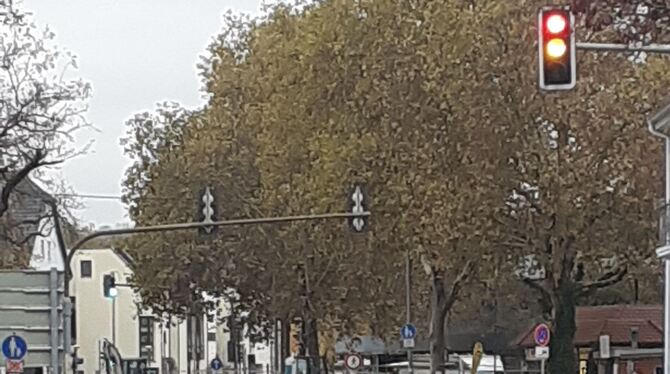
x: 136, y: 333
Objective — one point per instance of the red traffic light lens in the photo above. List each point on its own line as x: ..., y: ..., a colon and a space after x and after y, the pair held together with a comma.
x: 556, y: 23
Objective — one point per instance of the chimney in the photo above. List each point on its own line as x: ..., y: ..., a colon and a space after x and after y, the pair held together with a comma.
x: 634, y: 337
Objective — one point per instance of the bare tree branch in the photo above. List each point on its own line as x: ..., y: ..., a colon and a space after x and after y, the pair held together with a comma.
x: 609, y: 279
x: 14, y: 181
x: 458, y: 282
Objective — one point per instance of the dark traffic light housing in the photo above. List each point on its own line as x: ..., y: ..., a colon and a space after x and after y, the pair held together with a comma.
x: 556, y: 48
x: 109, y: 286
x: 76, y: 361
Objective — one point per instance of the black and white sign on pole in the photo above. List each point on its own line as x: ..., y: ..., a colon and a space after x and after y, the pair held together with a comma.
x: 358, y: 204
x: 353, y: 361
x: 207, y: 210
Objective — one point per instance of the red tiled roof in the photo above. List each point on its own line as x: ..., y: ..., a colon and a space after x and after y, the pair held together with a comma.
x: 615, y: 321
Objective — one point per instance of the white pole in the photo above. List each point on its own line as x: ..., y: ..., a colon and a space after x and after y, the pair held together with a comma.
x: 663, y: 251
x: 666, y: 309
x: 542, y: 366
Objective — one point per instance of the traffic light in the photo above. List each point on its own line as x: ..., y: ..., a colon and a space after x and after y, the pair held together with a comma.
x: 207, y: 211
x: 358, y: 203
x: 556, y: 49
x: 109, y: 286
x: 76, y: 361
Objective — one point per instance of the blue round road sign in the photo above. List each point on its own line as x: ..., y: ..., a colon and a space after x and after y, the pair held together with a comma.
x: 408, y: 331
x: 541, y: 335
x: 14, y: 347
x: 216, y: 364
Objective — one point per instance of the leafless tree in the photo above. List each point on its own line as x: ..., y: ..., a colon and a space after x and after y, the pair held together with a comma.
x: 40, y: 107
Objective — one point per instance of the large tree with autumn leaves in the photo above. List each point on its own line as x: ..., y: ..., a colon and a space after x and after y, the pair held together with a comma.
x: 434, y: 106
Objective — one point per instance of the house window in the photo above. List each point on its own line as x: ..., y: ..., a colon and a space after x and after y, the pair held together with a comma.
x: 147, y: 338
x: 86, y: 268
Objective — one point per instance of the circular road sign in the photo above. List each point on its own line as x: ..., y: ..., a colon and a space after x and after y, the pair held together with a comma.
x: 14, y: 347
x: 408, y: 331
x: 542, y: 335
x: 216, y: 364
x: 353, y: 361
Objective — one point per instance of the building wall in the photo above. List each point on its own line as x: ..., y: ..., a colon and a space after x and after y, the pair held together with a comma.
x: 95, y: 316
x: 642, y: 366
x: 99, y: 318
x: 46, y: 253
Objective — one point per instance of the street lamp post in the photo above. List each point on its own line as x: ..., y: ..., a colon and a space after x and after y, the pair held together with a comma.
x: 659, y: 125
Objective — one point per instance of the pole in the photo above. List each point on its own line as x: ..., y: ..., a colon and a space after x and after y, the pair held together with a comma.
x: 408, y: 304
x: 663, y: 252
x: 611, y: 47
x: 666, y: 311
x: 542, y: 366
x: 196, y: 225
x: 53, y: 319
x: 114, y: 321
x: 67, y: 328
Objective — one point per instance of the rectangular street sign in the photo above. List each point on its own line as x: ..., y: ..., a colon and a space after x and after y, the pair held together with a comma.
x: 542, y: 353
x: 14, y: 366
x: 31, y: 308
x: 408, y: 343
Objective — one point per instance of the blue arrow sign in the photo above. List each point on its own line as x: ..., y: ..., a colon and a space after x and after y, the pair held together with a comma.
x: 216, y: 364
x: 408, y: 331
x: 14, y: 347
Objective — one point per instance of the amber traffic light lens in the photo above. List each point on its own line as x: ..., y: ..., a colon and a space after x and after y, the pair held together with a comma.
x: 556, y: 48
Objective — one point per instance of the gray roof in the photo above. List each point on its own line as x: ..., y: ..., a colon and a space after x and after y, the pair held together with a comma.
x: 28, y: 209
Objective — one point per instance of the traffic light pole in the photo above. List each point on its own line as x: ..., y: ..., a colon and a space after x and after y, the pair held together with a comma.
x: 613, y: 47
x: 196, y: 225
x: 663, y: 252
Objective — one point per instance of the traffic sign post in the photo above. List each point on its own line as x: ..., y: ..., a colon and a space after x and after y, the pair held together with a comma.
x: 353, y: 361
x: 542, y: 336
x: 14, y: 348
x: 408, y: 333
x: 216, y: 364
x: 14, y: 366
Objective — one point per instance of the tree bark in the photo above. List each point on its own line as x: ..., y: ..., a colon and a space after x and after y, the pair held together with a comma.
x: 438, y: 316
x: 311, y: 339
x: 285, y: 351
x: 563, y: 356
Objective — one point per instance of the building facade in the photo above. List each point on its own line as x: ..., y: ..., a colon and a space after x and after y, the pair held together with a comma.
x: 169, y: 345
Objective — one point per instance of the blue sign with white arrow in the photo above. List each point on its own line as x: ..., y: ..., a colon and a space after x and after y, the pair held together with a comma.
x: 216, y: 364
x: 408, y: 331
x: 14, y: 347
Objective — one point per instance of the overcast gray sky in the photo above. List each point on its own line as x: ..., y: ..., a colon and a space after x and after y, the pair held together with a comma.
x: 135, y: 53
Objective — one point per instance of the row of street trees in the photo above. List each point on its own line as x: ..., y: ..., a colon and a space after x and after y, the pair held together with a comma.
x: 433, y: 104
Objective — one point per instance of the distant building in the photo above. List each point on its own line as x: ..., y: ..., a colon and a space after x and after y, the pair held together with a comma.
x: 634, y: 333
x: 136, y: 333
x: 171, y: 345
x: 27, y: 235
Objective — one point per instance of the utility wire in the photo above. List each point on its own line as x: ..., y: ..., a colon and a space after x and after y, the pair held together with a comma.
x: 116, y: 197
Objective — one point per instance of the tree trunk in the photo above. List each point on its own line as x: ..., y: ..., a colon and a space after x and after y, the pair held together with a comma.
x: 285, y: 351
x: 311, y: 339
x: 563, y: 357
x: 438, y: 316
